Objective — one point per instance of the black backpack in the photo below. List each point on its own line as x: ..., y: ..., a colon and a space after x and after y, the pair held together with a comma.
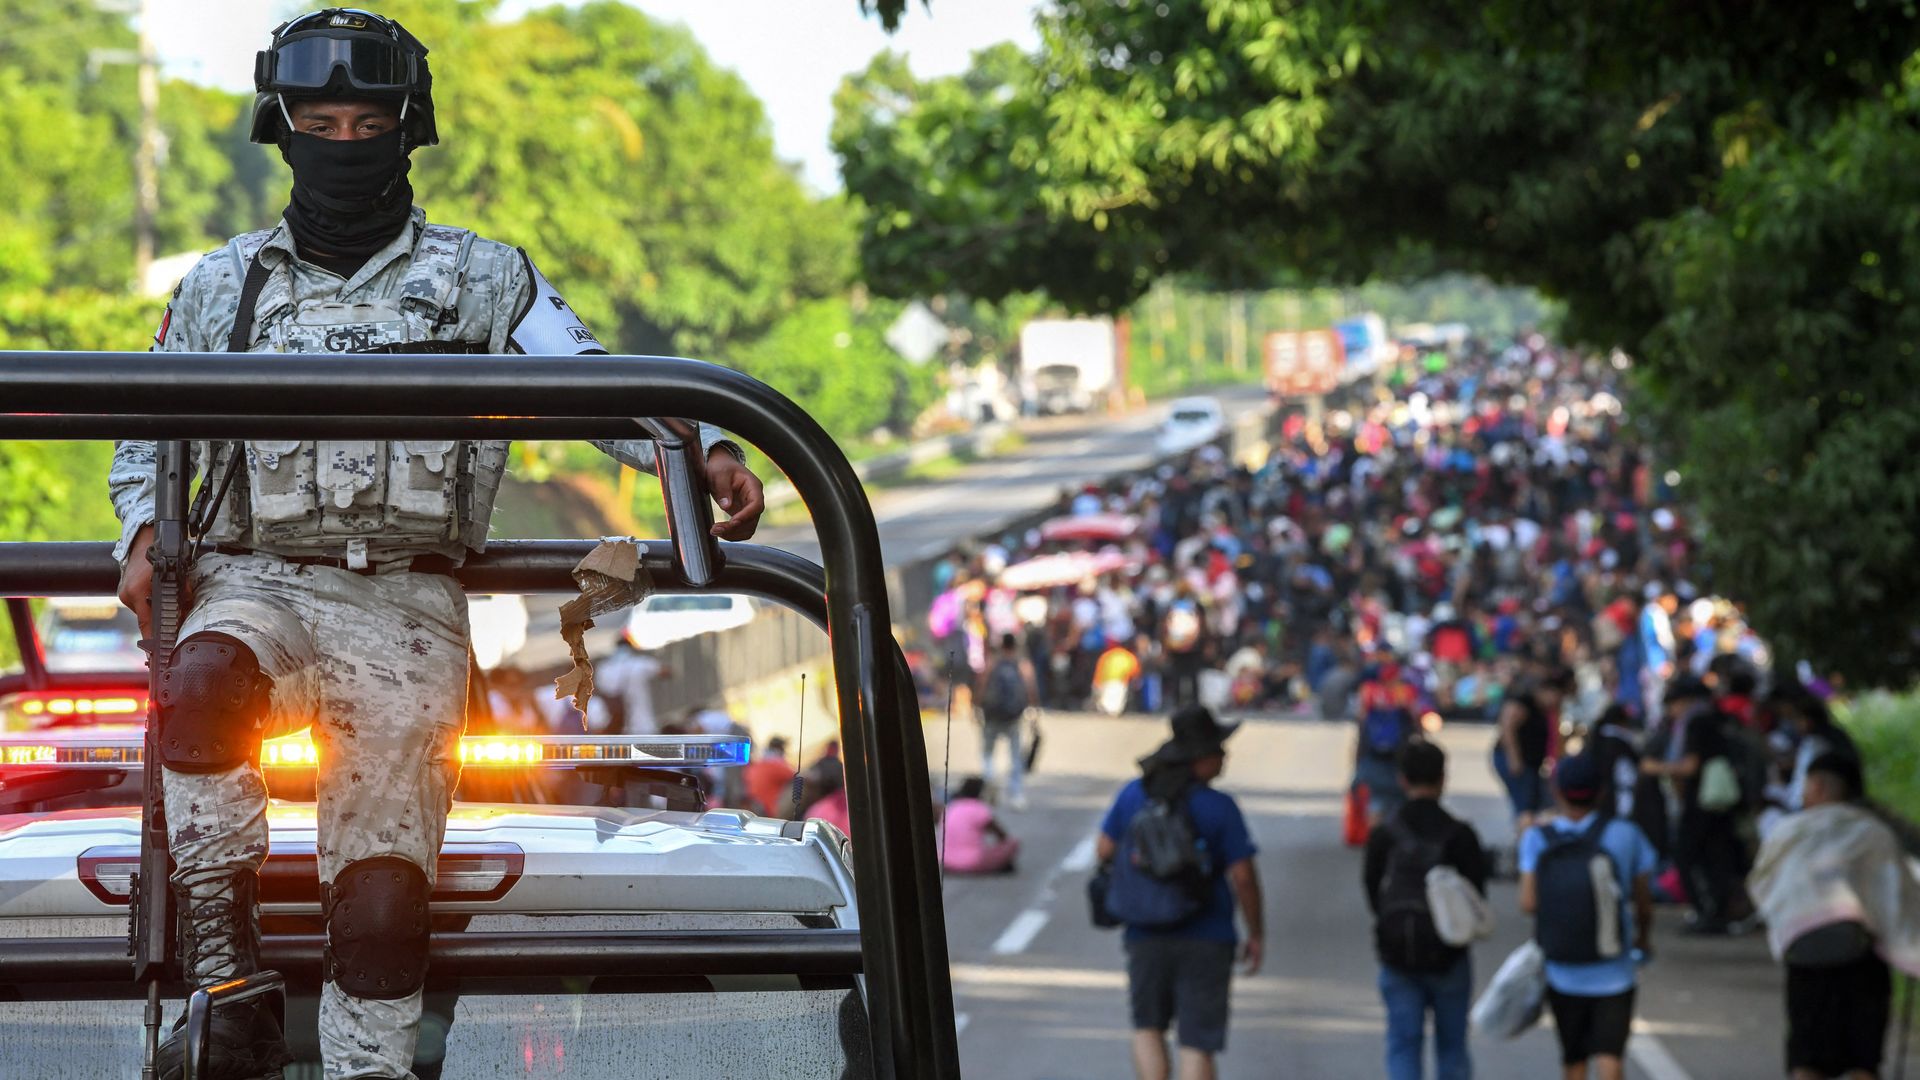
x: 1403, y: 927
x: 1162, y: 874
x: 1006, y: 696
x: 1567, y: 919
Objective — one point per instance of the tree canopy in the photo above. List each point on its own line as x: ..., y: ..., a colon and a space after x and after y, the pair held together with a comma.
x: 1711, y: 185
x: 638, y: 174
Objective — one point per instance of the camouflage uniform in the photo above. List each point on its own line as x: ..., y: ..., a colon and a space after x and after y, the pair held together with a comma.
x: 376, y: 661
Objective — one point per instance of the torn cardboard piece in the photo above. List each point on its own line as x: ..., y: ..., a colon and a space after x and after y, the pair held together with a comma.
x: 610, y: 580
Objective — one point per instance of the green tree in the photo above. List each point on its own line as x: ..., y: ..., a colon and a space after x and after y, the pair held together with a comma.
x: 837, y: 365
x: 640, y: 176
x: 56, y: 491
x: 214, y: 183
x: 953, y: 186
x: 1788, y: 359
x: 1710, y: 185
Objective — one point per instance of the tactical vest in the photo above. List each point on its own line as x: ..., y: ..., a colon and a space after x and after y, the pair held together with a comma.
x: 367, y: 501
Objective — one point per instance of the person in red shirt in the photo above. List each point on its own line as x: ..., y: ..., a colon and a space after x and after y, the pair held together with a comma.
x: 1388, y: 720
x: 769, y: 780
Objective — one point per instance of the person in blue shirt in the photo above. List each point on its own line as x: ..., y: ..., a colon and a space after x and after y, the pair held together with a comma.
x: 1592, y: 1003
x: 1185, y: 971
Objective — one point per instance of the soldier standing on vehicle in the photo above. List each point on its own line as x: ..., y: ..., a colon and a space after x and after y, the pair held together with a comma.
x: 325, y: 594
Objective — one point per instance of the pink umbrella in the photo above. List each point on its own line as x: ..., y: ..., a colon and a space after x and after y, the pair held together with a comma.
x: 1069, y: 568
x: 1091, y: 527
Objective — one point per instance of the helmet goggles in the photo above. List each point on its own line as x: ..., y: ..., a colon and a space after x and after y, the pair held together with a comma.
x: 340, y: 48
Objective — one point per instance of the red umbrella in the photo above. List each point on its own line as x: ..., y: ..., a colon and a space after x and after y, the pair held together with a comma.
x: 1090, y: 527
x: 1069, y: 568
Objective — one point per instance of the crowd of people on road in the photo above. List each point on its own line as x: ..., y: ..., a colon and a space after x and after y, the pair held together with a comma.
x: 1475, y: 537
x: 1472, y: 537
x: 1475, y: 520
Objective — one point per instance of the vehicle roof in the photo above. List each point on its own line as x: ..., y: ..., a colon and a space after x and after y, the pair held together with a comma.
x: 578, y: 859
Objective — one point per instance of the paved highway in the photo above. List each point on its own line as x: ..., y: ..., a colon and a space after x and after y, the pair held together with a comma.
x: 919, y: 521
x: 1041, y: 995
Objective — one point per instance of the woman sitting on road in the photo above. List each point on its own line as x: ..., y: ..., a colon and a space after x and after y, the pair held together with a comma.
x: 975, y: 843
x: 826, y: 787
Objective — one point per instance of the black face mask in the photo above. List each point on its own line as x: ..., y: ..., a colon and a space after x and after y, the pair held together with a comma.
x: 350, y: 196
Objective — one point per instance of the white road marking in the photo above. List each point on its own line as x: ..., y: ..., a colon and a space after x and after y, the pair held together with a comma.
x: 1020, y: 932
x: 1080, y: 859
x: 960, y: 1023
x: 1027, y: 925
x: 1652, y: 1055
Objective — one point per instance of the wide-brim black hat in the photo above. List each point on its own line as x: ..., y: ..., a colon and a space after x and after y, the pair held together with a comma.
x: 1197, y: 733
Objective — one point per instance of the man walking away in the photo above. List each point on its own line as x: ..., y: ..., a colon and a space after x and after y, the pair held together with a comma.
x: 1419, y: 972
x: 1008, y: 695
x: 1180, y: 964
x: 1387, y: 723
x: 1838, y: 900
x: 1577, y: 872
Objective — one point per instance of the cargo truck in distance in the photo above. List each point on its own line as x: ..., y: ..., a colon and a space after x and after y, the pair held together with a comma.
x: 1066, y: 365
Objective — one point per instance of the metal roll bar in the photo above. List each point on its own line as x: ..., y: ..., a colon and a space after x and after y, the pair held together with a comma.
x: 238, y: 396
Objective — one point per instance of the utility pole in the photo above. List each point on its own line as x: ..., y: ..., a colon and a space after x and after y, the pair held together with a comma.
x: 146, y: 155
x: 146, y: 159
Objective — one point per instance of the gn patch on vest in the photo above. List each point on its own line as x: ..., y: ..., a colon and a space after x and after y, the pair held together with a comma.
x: 302, y: 497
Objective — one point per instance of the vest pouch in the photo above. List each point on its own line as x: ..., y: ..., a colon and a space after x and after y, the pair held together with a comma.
x: 353, y: 485
x: 421, y: 478
x: 484, y: 470
x: 280, y: 474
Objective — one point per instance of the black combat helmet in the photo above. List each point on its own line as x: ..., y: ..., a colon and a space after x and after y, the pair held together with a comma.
x: 343, y: 53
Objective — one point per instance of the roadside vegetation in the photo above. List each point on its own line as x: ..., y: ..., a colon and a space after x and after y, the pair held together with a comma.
x: 1734, y: 210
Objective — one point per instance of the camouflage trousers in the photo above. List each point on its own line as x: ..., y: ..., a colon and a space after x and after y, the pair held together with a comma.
x: 377, y: 666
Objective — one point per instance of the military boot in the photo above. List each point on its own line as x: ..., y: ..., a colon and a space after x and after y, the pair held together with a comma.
x: 220, y: 940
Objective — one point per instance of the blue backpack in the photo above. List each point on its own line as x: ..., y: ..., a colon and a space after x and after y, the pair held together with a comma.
x: 1385, y: 729
x: 1006, y: 696
x: 1162, y: 875
x: 1568, y: 924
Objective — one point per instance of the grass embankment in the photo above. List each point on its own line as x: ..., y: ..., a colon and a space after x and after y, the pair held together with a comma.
x: 1887, y: 728
x: 931, y: 471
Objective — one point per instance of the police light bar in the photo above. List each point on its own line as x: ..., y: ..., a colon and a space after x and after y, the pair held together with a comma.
x: 32, y: 710
x: 124, y: 750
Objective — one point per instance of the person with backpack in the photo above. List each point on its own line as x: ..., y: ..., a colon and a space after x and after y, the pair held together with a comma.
x: 1420, y: 971
x: 1587, y: 878
x: 1178, y: 860
x: 1008, y: 694
x: 1387, y: 723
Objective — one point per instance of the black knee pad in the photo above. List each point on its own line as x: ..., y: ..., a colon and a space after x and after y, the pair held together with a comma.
x: 213, y: 704
x: 376, y: 913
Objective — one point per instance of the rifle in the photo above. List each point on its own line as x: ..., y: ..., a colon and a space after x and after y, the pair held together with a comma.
x: 151, y: 937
